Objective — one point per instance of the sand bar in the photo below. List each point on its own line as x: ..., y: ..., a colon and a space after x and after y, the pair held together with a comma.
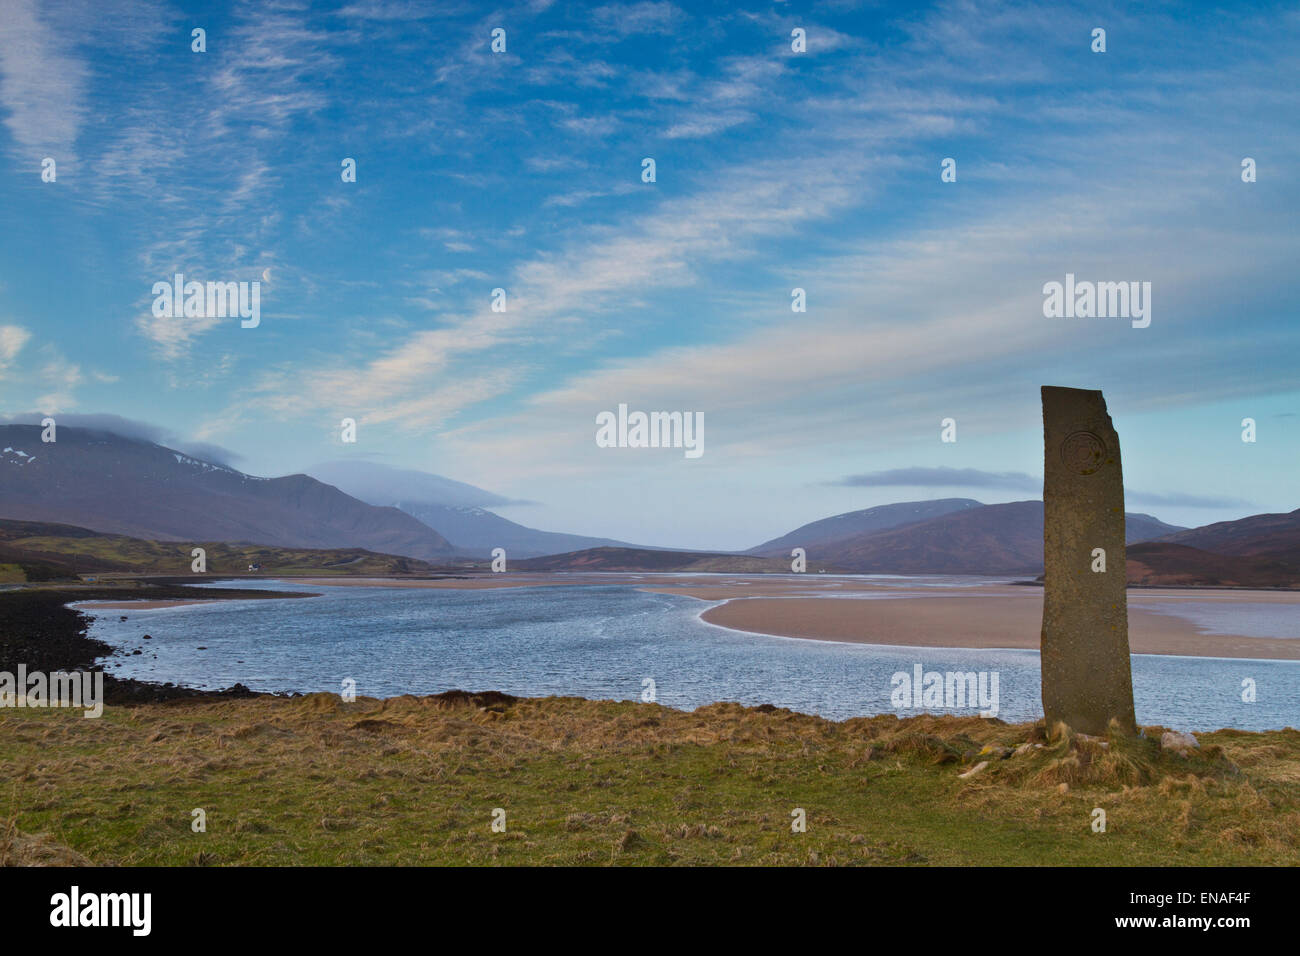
x: 133, y: 605
x: 978, y: 621
x: 154, y: 605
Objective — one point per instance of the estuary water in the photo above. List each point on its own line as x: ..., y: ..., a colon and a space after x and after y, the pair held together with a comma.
x: 610, y: 642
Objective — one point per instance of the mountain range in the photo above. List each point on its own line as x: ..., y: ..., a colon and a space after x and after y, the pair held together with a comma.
x: 966, y: 537
x: 949, y: 536
x: 457, y: 510
x: 946, y: 536
x: 110, y: 483
x: 819, y: 534
x: 1268, y: 536
x: 117, y: 485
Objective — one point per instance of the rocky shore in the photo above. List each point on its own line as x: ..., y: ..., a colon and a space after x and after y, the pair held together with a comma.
x: 39, y: 630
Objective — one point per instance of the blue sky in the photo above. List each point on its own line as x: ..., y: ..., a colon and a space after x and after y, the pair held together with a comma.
x: 775, y: 170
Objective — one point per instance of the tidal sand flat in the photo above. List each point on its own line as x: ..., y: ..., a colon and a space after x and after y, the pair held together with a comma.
x: 133, y: 605
x: 1177, y: 624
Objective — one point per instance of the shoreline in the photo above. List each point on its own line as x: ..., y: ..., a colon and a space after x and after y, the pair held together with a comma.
x: 985, y: 622
x: 47, y: 628
x: 40, y: 630
x: 142, y: 604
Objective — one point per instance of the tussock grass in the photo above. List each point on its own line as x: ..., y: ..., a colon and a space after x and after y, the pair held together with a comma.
x: 415, y: 780
x: 21, y: 849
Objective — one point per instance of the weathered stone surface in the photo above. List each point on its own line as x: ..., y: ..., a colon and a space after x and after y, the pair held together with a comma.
x: 1087, y: 679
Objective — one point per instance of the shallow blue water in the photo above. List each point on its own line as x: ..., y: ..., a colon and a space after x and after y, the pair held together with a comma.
x: 1235, y: 617
x: 602, y: 642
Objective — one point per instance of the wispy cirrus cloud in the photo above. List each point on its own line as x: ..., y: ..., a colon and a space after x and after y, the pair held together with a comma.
x: 776, y: 170
x: 646, y: 16
x: 665, y: 249
x: 392, y: 10
x: 12, y: 340
x: 42, y: 84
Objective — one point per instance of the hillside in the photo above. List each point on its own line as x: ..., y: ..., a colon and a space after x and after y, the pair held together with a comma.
x: 640, y: 559
x: 965, y: 538
x: 881, y: 518
x: 36, y: 551
x: 108, y: 483
x: 1164, y: 563
x: 993, y: 539
x: 476, y: 532
x: 1275, y: 536
x: 458, y: 510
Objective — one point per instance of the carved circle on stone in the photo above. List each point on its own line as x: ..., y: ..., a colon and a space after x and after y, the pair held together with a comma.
x: 1083, y: 453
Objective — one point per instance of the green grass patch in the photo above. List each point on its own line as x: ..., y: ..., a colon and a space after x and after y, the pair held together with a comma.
x: 412, y: 781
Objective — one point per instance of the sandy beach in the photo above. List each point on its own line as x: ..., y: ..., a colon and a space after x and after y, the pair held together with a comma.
x: 986, y: 621
x: 132, y: 605
x: 148, y: 605
x: 993, y: 615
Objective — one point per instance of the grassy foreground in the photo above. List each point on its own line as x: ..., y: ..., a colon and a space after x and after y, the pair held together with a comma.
x: 315, y: 780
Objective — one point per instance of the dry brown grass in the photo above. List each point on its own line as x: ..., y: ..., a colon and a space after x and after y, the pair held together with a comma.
x: 414, y: 780
x: 21, y: 849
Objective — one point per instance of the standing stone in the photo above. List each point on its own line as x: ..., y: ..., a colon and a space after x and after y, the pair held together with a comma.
x: 1087, y: 678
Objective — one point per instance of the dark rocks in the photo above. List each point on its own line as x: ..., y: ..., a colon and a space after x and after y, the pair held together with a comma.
x: 39, y: 630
